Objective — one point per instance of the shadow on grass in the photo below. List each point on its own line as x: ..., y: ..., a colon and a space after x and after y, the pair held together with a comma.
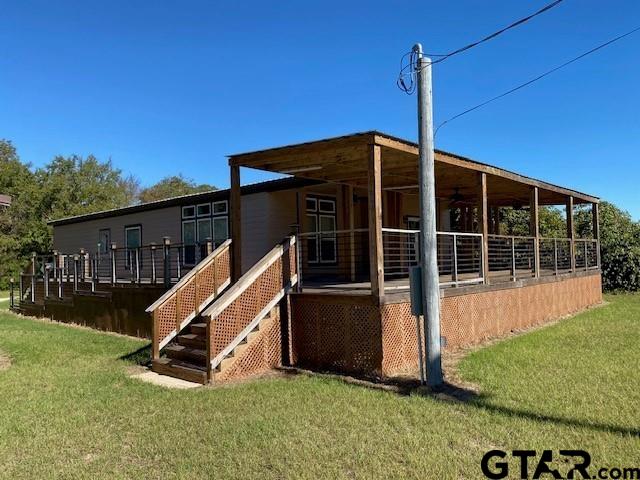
x: 482, y: 403
x: 450, y: 392
x: 141, y: 356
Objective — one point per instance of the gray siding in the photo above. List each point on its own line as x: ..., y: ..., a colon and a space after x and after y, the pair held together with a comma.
x: 156, y: 224
x: 266, y: 220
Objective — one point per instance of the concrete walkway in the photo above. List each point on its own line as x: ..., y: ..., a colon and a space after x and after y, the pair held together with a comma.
x: 164, y: 380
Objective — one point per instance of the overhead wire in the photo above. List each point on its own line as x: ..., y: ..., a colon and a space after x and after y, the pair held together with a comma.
x: 535, y: 79
x: 409, y: 86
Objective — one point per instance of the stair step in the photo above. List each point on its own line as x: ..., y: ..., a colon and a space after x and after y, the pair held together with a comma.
x: 192, y: 340
x: 179, y: 369
x: 238, y: 351
x: 189, y: 354
x: 199, y: 328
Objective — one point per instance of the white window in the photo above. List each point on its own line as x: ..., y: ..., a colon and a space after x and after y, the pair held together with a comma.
x: 204, y: 210
x: 189, y: 212
x: 132, y: 241
x: 189, y: 240
x: 104, y: 241
x: 321, y: 219
x: 220, y: 230
x: 204, y: 229
x: 220, y: 208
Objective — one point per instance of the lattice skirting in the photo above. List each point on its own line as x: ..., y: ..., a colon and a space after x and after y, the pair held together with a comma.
x: 333, y: 334
x: 264, y: 353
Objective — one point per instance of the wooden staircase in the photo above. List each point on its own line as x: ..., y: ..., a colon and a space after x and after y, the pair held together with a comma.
x: 191, y: 319
x: 186, y: 356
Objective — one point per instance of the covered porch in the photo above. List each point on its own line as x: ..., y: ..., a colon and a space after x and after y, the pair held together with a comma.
x: 358, y: 230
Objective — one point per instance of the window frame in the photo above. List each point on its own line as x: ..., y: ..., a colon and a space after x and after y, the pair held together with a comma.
x: 127, y: 248
x: 104, y: 249
x: 315, y: 212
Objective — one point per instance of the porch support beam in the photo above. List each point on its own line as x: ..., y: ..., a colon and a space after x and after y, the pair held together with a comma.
x: 571, y: 231
x: 483, y: 223
x: 595, y: 228
x: 236, y: 224
x: 376, y: 255
x: 534, y: 227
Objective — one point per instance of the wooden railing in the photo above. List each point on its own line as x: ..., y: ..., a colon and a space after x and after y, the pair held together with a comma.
x: 232, y: 317
x: 179, y: 306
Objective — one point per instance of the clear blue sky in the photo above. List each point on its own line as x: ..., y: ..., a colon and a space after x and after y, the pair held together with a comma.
x: 169, y: 87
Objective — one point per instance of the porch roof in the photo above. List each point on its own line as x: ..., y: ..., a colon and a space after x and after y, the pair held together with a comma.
x: 344, y: 160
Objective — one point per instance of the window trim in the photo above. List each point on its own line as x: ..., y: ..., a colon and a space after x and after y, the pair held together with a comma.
x: 202, y: 215
x: 199, y: 221
x: 226, y: 208
x: 107, y: 247
x: 136, y: 226
x: 184, y: 207
x: 317, y: 214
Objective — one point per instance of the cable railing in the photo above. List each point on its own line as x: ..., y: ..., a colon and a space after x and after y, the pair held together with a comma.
x: 511, y: 258
x: 339, y: 259
x: 459, y: 255
x: 58, y: 275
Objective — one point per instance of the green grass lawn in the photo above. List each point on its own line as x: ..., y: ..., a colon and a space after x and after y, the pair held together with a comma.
x: 68, y: 409
x: 4, y: 300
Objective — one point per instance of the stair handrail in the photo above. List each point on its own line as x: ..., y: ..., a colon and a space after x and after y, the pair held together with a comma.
x: 180, y: 320
x: 243, y: 283
x: 185, y: 279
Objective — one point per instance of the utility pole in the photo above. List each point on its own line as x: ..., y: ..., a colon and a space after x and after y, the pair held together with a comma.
x: 428, y: 237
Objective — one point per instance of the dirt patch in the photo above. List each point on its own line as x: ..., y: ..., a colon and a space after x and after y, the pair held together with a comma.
x: 5, y: 361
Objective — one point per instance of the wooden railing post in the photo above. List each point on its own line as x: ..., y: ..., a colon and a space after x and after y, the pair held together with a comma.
x: 155, y: 343
x: 82, y: 264
x: 12, y: 303
x: 137, y: 256
x: 178, y: 310
x: 513, y: 259
x: 55, y: 264
x: 46, y: 281
x: 112, y: 256
x: 179, y: 264
x: 76, y: 261
x: 93, y: 262
x: 455, y: 260
x: 153, y: 263
x: 209, y: 245
x: 166, y: 261
x: 60, y: 283
x: 21, y: 292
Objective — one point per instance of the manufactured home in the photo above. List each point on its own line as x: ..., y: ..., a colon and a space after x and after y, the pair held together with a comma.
x: 312, y: 269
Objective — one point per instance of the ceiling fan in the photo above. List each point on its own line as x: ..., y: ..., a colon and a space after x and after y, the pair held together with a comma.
x: 457, y: 198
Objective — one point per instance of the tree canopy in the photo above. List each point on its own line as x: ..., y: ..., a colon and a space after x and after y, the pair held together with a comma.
x: 66, y: 186
x: 173, y: 186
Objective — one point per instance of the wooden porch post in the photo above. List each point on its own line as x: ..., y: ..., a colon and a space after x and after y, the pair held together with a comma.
x: 571, y: 232
x: 236, y: 225
x: 496, y: 220
x: 376, y: 255
x: 534, y: 228
x: 350, y: 224
x: 483, y: 223
x: 595, y: 219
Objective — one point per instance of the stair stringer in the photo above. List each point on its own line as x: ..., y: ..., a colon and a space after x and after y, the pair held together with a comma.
x: 262, y: 353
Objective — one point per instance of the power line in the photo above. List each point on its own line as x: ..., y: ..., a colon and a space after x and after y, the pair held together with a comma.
x: 493, y: 35
x: 539, y: 77
x: 409, y: 89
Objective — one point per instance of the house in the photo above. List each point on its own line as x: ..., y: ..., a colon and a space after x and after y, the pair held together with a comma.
x: 312, y: 270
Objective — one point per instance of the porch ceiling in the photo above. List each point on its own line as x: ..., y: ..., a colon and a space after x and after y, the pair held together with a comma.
x: 344, y: 160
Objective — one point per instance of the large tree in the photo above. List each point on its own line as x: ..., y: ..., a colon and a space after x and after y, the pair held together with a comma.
x: 64, y: 187
x: 173, y: 186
